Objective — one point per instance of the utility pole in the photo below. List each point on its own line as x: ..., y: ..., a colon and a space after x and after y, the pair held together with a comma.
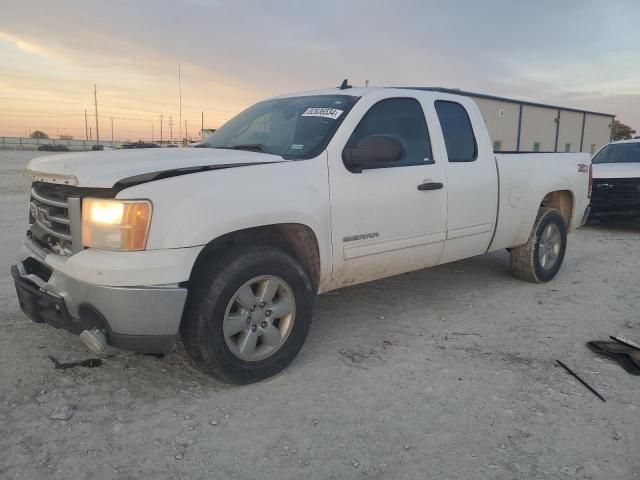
x: 112, y: 131
x: 170, y: 129
x: 186, y: 131
x: 90, y: 134
x: 95, y: 98
x: 180, y: 98
x: 202, y: 127
x: 161, y: 128
x: 152, y: 131
x: 86, y: 128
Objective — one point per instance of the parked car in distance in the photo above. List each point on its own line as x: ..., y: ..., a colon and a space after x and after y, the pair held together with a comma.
x: 97, y: 148
x: 616, y: 181
x: 296, y: 196
x: 128, y: 146
x: 49, y: 147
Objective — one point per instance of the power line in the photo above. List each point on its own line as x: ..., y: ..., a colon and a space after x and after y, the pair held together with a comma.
x: 122, y: 106
x: 180, y: 97
x: 41, y: 115
x: 95, y: 97
x: 46, y: 118
x: 23, y: 87
x: 40, y: 100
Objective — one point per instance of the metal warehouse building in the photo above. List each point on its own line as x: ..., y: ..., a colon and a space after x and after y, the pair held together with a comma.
x: 522, y: 126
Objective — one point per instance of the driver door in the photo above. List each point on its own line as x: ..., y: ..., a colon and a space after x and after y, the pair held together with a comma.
x: 389, y: 218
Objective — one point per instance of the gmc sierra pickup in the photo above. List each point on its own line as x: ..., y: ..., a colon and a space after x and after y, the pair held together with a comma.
x: 296, y: 196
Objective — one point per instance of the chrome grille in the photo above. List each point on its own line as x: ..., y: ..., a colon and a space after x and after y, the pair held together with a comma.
x: 618, y: 192
x: 54, y: 215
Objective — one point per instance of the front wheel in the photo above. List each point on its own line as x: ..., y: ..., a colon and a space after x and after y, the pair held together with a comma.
x: 248, y: 314
x: 541, y: 257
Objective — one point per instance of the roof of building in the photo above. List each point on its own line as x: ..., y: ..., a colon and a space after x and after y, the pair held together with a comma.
x: 360, y: 91
x: 457, y: 91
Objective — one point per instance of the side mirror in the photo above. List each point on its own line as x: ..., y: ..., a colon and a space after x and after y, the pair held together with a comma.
x: 372, y: 150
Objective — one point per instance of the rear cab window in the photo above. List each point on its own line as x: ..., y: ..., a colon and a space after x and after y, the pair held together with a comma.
x: 457, y: 131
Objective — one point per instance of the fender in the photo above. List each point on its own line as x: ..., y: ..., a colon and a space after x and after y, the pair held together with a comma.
x: 192, y: 210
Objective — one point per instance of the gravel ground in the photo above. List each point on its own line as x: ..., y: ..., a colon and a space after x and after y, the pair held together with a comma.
x: 447, y: 373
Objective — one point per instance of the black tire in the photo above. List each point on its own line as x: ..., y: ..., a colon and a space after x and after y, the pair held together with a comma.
x: 525, y: 263
x: 216, y: 282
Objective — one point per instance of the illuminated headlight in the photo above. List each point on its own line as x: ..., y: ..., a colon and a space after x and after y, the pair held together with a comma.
x: 115, y: 224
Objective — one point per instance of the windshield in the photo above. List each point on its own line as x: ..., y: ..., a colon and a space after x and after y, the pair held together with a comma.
x: 619, y: 153
x: 294, y: 127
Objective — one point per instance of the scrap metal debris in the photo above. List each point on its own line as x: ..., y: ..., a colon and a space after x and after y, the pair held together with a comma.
x: 626, y: 341
x: 622, y: 352
x: 574, y: 374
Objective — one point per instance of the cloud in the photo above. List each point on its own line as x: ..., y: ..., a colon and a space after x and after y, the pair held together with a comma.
x: 24, y: 45
x: 235, y: 52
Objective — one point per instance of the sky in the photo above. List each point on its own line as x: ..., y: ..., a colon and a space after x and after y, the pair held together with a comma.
x: 574, y: 53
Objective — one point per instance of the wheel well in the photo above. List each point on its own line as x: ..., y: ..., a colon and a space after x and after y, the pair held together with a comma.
x: 296, y: 239
x: 562, y: 200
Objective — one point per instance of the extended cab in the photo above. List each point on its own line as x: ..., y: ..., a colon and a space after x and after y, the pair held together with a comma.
x: 296, y: 196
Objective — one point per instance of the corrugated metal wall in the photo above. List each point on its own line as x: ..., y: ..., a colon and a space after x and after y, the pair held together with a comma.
x: 597, y: 132
x: 538, y: 133
x: 545, y: 129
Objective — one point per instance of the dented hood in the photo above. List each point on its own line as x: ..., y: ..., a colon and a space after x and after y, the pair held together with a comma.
x: 105, y: 169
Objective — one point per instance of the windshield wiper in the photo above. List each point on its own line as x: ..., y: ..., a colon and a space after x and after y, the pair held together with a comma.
x: 253, y: 147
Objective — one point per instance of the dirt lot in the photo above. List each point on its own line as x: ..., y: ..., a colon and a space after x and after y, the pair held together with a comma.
x: 447, y: 373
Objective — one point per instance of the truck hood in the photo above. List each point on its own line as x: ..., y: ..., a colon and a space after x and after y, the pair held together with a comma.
x: 107, y: 168
x: 616, y: 170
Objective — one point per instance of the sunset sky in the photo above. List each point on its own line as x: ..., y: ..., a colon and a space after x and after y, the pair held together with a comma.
x: 572, y: 53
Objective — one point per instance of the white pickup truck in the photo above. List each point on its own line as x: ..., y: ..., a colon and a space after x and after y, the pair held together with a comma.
x: 616, y: 181
x: 296, y: 196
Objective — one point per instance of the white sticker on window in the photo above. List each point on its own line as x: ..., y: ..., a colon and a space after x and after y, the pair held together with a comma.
x: 332, y: 113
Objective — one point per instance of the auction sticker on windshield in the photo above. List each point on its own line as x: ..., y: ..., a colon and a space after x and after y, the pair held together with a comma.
x: 332, y: 113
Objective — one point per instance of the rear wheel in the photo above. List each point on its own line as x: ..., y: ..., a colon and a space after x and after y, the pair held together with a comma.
x: 540, y: 259
x: 248, y: 314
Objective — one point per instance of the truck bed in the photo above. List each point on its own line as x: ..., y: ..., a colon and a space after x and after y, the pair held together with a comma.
x: 525, y: 179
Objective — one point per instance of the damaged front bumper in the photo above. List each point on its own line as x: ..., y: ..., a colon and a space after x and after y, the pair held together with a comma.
x: 139, y: 318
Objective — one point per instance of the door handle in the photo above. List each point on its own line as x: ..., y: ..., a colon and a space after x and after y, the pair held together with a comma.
x: 430, y: 186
